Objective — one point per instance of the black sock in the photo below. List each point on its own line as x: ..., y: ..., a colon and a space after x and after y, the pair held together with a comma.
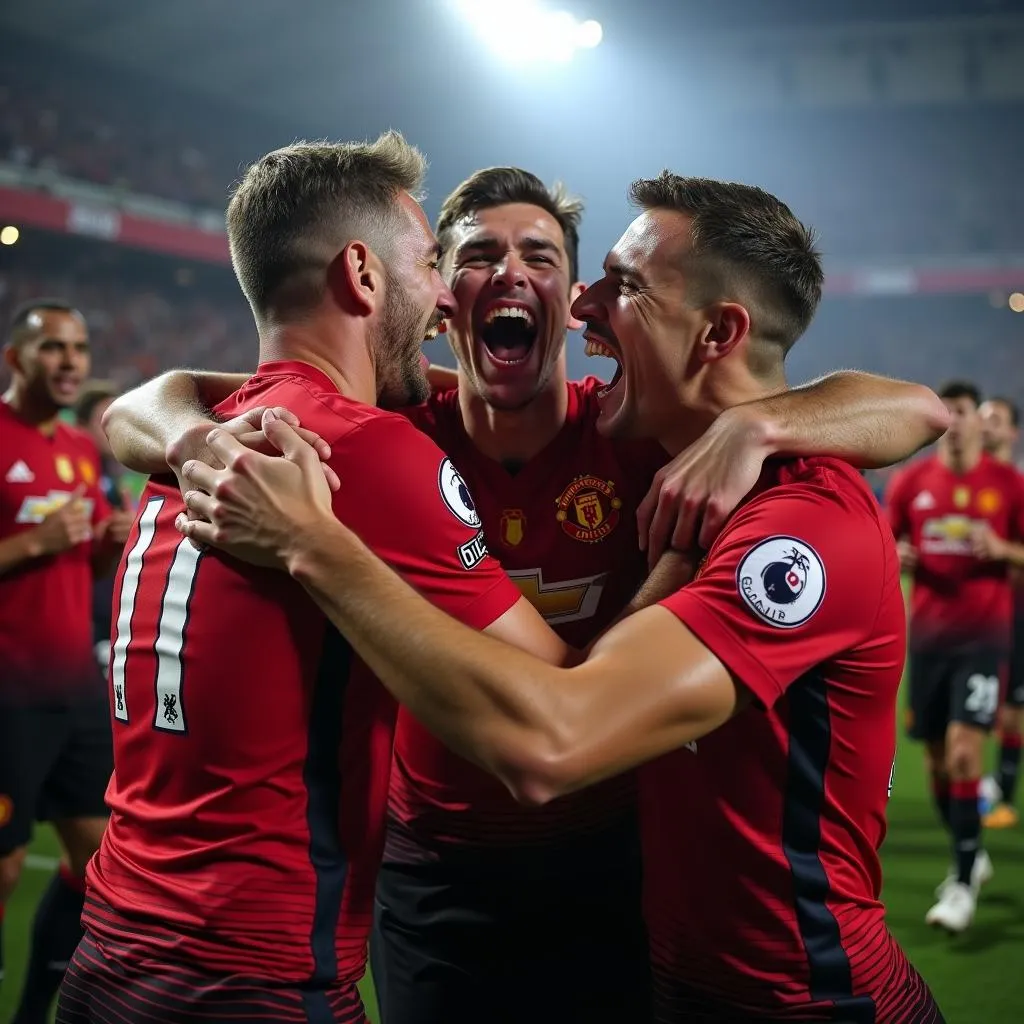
x: 940, y: 794
x: 55, y: 934
x: 1009, y: 765
x: 965, y: 822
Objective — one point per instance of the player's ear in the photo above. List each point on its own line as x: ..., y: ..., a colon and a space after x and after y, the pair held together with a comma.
x: 12, y: 358
x: 572, y: 324
x: 355, y: 279
x: 728, y: 324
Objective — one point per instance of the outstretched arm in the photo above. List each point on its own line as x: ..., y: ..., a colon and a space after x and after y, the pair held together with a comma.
x: 867, y: 420
x: 172, y: 409
x: 646, y: 688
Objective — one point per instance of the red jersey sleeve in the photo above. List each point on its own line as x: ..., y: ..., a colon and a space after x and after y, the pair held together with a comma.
x: 796, y: 578
x: 401, y: 494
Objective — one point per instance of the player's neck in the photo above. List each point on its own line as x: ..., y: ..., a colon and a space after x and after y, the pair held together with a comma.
x: 962, y: 461
x: 701, y: 400
x: 343, y: 358
x: 514, y: 436
x: 42, y: 415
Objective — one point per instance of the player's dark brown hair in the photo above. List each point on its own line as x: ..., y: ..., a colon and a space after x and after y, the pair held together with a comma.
x: 954, y: 389
x: 499, y: 186
x: 18, y: 329
x: 1010, y: 406
x: 746, y: 245
x: 297, y: 207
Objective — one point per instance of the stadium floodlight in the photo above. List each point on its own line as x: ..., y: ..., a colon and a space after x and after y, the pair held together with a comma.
x: 525, y: 32
x: 9, y: 235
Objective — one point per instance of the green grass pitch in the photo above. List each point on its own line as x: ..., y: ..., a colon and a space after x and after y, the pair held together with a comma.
x: 978, y: 978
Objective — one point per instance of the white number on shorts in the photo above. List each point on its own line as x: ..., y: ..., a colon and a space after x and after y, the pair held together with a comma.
x: 983, y: 699
x: 169, y: 713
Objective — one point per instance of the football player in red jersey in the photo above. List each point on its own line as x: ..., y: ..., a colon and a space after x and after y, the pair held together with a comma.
x: 57, y: 534
x: 1000, y: 422
x: 511, y: 890
x: 762, y: 694
x: 956, y: 514
x: 252, y: 749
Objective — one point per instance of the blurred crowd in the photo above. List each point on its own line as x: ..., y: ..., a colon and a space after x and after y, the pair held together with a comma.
x: 947, y: 182
x: 138, y: 331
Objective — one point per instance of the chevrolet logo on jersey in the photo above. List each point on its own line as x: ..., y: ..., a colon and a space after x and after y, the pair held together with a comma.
x: 560, y: 601
x: 948, y: 535
x: 36, y: 509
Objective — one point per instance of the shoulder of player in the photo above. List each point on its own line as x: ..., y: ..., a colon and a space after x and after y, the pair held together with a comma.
x: 1005, y: 472
x: 79, y: 438
x: 810, y: 489
x: 438, y: 414
x: 391, y: 439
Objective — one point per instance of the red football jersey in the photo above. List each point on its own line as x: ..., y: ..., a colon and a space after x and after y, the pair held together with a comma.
x: 564, y: 528
x: 761, y: 840
x: 958, y: 601
x: 46, y: 651
x: 252, y: 749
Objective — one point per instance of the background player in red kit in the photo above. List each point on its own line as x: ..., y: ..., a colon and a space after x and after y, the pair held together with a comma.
x: 56, y: 534
x: 252, y: 749
x: 767, y: 687
x: 950, y: 511
x: 477, y: 892
x: 1000, y: 424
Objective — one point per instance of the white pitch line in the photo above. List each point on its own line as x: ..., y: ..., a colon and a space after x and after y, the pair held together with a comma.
x: 37, y: 862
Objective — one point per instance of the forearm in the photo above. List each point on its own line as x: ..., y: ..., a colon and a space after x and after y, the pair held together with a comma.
x: 867, y: 420
x: 673, y: 571
x: 142, y: 423
x: 489, y: 702
x: 441, y: 378
x: 16, y: 550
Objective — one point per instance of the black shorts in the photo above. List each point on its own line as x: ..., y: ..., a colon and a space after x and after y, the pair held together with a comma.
x: 950, y: 687
x: 547, y: 937
x: 55, y: 762
x: 1015, y: 681
x: 101, y: 989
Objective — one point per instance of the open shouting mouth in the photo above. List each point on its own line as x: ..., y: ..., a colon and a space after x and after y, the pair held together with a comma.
x: 598, y: 346
x: 508, y: 332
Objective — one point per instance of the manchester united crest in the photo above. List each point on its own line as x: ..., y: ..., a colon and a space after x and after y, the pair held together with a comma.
x: 513, y: 526
x: 588, y: 509
x: 86, y: 471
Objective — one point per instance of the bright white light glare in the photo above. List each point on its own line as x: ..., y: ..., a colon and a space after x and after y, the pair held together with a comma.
x: 1016, y: 302
x: 522, y: 31
x: 589, y: 34
x: 9, y: 235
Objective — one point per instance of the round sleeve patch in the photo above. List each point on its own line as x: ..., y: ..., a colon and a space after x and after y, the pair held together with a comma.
x: 782, y: 581
x: 456, y: 494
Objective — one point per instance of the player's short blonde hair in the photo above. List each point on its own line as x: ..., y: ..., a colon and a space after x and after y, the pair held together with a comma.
x: 296, y: 208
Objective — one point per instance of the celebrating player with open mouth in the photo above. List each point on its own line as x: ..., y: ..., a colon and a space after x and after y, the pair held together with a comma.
x: 758, y: 700
x: 477, y: 892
